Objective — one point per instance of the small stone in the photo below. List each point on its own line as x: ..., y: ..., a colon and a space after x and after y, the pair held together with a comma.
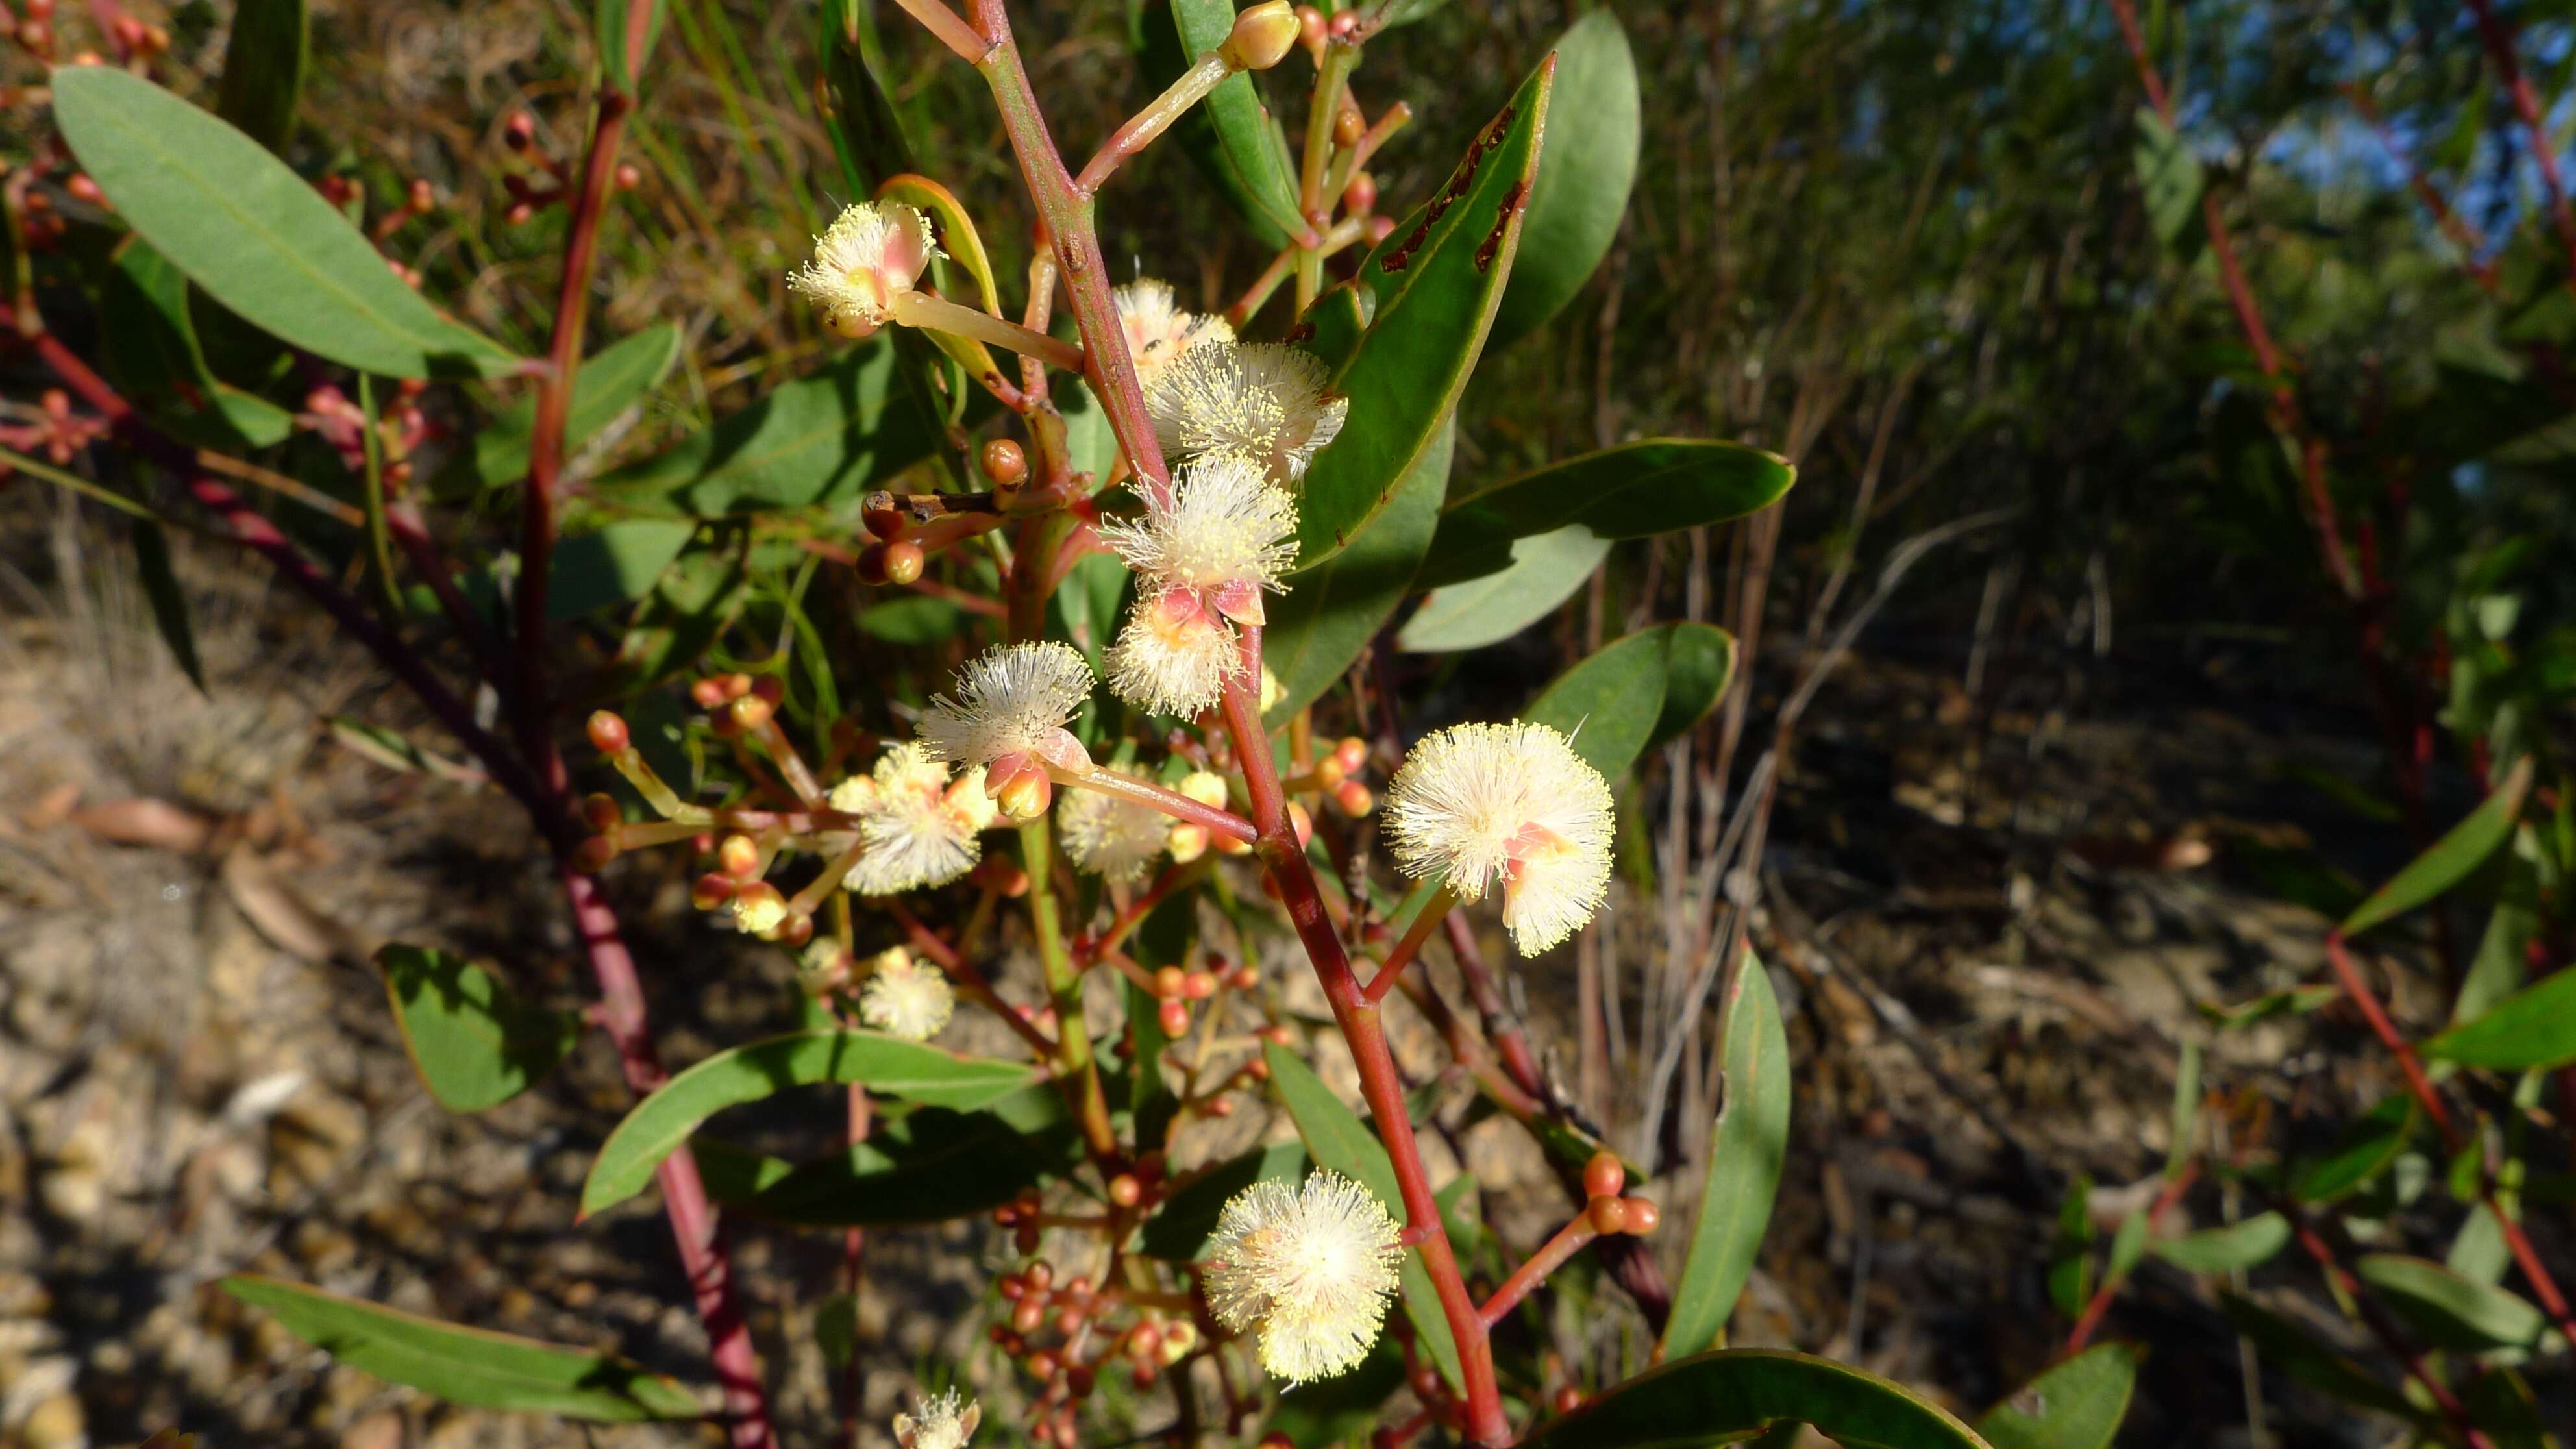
x: 380, y: 1430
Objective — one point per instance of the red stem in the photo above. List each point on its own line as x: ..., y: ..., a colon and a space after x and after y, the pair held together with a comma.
x: 2382, y: 1326
x: 2498, y: 39
x: 1569, y: 1240
x: 2543, y: 1285
x: 1361, y: 1028
x: 684, y: 1195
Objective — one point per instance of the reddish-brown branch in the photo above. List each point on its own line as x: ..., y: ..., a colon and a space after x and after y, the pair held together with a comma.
x: 1286, y: 864
x: 2498, y: 39
x: 2375, y: 1317
x: 2451, y: 223
x: 684, y: 1195
x: 2544, y: 1286
x: 553, y: 415
x: 1551, y: 1256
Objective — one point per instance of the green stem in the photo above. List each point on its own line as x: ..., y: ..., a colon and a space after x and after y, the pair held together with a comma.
x: 1064, y: 988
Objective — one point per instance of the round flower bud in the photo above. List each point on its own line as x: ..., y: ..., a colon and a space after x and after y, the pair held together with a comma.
x: 1262, y: 36
x: 1174, y: 1017
x: 593, y: 854
x: 608, y: 732
x: 711, y: 891
x: 903, y: 561
x: 945, y: 1422
x: 1004, y: 462
x: 600, y: 811
x: 1643, y: 1216
x: 1604, y: 1175
x: 1608, y: 1214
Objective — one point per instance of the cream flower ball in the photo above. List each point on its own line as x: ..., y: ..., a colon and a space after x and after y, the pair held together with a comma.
x: 1508, y: 803
x: 1310, y: 1267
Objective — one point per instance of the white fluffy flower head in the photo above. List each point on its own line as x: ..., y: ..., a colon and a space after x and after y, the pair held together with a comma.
x: 918, y: 825
x: 1203, y: 552
x: 871, y: 253
x: 1264, y: 401
x: 945, y: 1422
x: 1110, y: 837
x: 1158, y: 331
x: 1012, y: 699
x: 1173, y: 655
x: 1508, y: 802
x: 1223, y: 525
x: 904, y: 997
x: 1313, y: 1266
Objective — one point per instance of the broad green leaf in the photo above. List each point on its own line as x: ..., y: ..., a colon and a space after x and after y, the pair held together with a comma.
x: 2128, y: 1245
x: 1390, y: 13
x: 1331, y: 611
x: 2287, y: 1347
x: 150, y: 344
x: 918, y: 619
x: 2448, y: 1310
x: 264, y: 66
x: 1545, y: 571
x: 1721, y: 1397
x: 931, y: 1165
x: 469, y: 1366
x: 1697, y: 670
x: 614, y: 379
x: 1634, y: 490
x: 2170, y: 175
x: 1230, y: 137
x: 1179, y: 1230
x: 832, y: 435
x: 2076, y: 1405
x: 1746, y: 1150
x: 2533, y: 1028
x: 1337, y: 1139
x: 620, y: 562
x: 2502, y: 959
x: 474, y: 1042
x: 1437, y: 279
x: 623, y: 44
x: 2479, y: 1252
x: 2463, y: 849
x: 1583, y: 180
x: 252, y: 233
x: 836, y: 1328
x: 1614, y: 702
x: 169, y: 603
x: 2070, y: 1267
x: 2224, y: 1250
x: 2367, y: 1148
x: 886, y: 1065
x: 691, y: 604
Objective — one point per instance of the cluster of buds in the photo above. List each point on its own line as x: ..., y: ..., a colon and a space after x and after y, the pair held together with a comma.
x: 33, y: 28
x: 52, y: 428
x: 1607, y: 1212
x: 401, y: 427
x: 40, y: 224
x: 1066, y: 1333
x: 530, y: 196
x: 1340, y: 778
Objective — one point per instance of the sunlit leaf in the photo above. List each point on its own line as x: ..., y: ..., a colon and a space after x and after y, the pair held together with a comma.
x: 473, y: 1040
x: 1583, y: 178
x: 468, y: 1366
x: 1747, y: 1149
x: 254, y: 234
